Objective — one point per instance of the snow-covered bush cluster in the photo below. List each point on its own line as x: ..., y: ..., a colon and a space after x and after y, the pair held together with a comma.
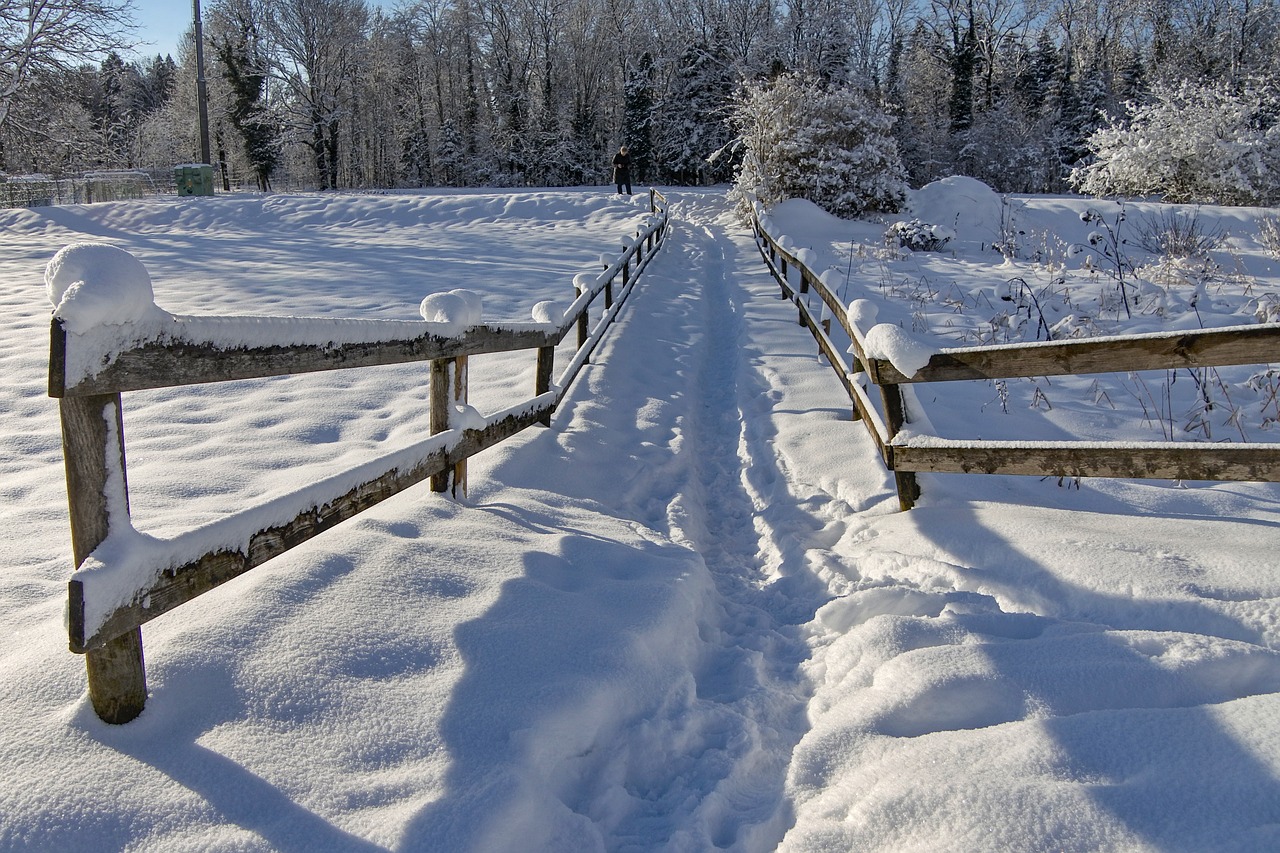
x: 829, y: 144
x: 1190, y: 143
x: 918, y: 236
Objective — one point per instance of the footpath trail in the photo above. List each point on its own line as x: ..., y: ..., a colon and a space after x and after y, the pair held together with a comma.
x: 701, y: 458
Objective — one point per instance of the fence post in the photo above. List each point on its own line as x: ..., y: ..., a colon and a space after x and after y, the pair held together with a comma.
x: 895, y: 416
x: 117, y: 676
x: 439, y: 412
x: 448, y: 389
x: 542, y: 379
x: 461, y: 384
x: 584, y: 319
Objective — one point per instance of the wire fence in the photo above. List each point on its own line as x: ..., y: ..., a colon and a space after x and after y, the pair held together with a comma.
x: 42, y: 191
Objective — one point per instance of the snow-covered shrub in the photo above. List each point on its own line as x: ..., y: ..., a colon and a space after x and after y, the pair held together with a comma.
x: 918, y: 236
x: 1177, y: 234
x: 1191, y: 143
x: 828, y: 144
x: 1269, y: 234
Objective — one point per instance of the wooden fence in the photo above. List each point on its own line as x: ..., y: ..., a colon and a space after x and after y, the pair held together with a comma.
x: 1256, y: 344
x: 107, y: 629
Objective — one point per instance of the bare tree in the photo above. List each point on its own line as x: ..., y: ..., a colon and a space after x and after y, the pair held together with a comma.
x: 317, y: 57
x: 55, y: 35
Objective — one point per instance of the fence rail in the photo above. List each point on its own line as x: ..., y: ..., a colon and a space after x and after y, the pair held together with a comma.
x: 104, y: 624
x: 1255, y: 344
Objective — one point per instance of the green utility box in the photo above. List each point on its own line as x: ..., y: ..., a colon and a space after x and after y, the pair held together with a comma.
x: 194, y: 179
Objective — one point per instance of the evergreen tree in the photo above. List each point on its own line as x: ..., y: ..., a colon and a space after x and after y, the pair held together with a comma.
x: 638, y: 115
x: 694, y: 117
x: 964, y: 62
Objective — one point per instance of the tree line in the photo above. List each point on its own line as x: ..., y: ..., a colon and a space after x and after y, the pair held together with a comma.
x: 338, y: 94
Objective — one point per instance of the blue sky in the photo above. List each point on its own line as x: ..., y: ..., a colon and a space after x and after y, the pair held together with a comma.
x: 161, y: 24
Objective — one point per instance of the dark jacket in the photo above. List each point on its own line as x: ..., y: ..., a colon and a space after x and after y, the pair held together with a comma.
x: 621, y: 166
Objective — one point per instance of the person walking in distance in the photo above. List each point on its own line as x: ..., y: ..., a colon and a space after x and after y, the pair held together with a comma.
x: 622, y: 170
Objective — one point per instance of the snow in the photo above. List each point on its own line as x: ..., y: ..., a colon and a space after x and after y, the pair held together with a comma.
x: 890, y: 343
x: 959, y: 207
x: 688, y: 616
x: 549, y: 312
x: 454, y: 310
x: 93, y: 284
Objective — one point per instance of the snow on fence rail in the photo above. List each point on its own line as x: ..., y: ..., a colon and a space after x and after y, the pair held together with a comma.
x: 124, y: 578
x: 888, y: 363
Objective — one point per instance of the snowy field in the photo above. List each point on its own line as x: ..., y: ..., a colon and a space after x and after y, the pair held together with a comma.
x: 687, y: 616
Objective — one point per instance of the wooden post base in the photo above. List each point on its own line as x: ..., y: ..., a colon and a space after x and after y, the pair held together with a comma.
x: 117, y: 678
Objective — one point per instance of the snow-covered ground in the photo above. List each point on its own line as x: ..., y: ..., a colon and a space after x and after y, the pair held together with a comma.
x: 688, y: 615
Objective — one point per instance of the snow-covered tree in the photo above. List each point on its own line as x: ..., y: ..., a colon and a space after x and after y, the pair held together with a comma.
x: 692, y: 120
x: 54, y: 35
x: 832, y: 145
x: 317, y: 55
x: 637, y: 117
x: 1191, y: 143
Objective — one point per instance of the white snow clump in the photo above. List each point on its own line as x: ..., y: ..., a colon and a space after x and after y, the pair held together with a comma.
x: 458, y: 309
x: 890, y: 343
x: 467, y: 417
x: 548, y: 311
x: 98, y: 284
x: 862, y: 312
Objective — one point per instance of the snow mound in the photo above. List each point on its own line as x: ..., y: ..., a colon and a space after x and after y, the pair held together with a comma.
x: 548, y: 311
x: 890, y: 343
x: 98, y: 284
x: 863, y: 312
x: 969, y: 206
x: 457, y: 309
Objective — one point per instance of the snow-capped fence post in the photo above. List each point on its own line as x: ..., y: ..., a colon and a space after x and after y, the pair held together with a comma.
x: 440, y: 394
x: 895, y: 415
x: 93, y: 453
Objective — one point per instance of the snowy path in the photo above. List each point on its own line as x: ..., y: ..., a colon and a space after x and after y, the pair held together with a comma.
x: 703, y: 470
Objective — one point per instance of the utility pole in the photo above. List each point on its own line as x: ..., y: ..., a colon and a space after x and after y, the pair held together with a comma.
x: 202, y: 93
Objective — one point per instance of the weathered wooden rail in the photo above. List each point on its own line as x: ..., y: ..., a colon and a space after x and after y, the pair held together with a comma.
x: 144, y: 580
x: 1255, y: 344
